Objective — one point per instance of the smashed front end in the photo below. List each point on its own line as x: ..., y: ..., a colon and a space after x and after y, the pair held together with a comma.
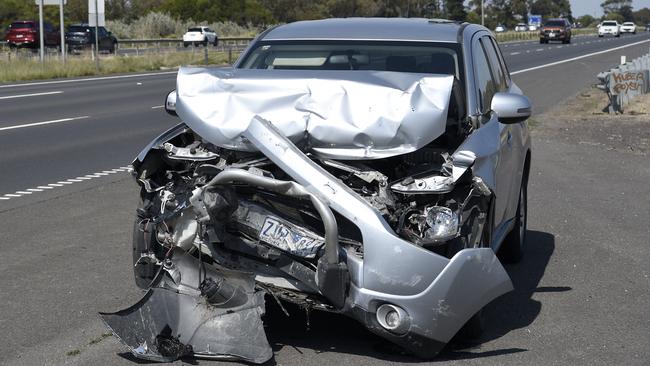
x: 345, y: 193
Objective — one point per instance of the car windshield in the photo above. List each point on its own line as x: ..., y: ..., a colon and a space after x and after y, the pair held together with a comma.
x: 194, y: 30
x: 76, y: 28
x: 609, y: 24
x: 628, y: 23
x: 555, y: 23
x: 21, y: 26
x: 434, y: 58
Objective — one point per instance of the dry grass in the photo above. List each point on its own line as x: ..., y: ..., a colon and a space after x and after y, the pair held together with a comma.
x: 534, y: 35
x: 20, y: 69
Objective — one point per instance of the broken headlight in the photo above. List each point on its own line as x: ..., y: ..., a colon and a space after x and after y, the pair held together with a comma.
x: 432, y: 224
x: 442, y: 222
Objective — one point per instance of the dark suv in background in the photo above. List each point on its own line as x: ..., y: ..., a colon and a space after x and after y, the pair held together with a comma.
x: 82, y: 36
x: 26, y: 34
x: 555, y: 30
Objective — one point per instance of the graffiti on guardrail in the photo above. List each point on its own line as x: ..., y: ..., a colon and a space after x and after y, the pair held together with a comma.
x: 625, y: 82
x: 628, y: 81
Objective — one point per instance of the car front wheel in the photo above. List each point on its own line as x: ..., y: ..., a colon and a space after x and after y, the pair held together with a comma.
x: 512, y: 249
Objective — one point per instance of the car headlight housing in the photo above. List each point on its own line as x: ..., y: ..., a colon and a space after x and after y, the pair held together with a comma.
x: 442, y: 222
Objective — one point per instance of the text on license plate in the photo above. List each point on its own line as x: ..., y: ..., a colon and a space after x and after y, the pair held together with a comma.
x: 286, y: 238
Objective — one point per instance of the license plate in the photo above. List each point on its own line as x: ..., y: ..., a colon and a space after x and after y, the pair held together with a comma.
x: 19, y: 36
x: 551, y: 35
x: 289, y: 238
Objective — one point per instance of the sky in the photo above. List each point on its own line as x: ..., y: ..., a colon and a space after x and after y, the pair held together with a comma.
x: 592, y: 7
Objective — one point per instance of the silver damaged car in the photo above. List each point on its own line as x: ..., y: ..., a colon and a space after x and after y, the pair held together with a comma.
x: 367, y: 167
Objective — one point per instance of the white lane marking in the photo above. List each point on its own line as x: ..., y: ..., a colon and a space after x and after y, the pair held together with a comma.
x: 30, y: 95
x: 62, y: 183
x: 43, y: 123
x: 89, y: 79
x: 514, y: 53
x: 157, y: 106
x: 579, y: 57
x: 539, y: 50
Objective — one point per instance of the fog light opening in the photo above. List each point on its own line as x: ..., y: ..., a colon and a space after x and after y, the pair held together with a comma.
x: 393, y: 318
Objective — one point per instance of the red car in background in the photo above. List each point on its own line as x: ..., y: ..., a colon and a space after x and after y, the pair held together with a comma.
x: 26, y: 34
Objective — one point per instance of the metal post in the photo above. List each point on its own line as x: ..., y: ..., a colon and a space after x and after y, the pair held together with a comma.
x: 205, y: 52
x: 40, y: 30
x: 482, y: 14
x: 97, y: 35
x: 62, y: 30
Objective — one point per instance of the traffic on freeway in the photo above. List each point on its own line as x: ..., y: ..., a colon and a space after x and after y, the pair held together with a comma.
x: 482, y: 238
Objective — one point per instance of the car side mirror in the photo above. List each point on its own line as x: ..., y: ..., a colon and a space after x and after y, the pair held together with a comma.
x: 511, y: 107
x: 170, y: 103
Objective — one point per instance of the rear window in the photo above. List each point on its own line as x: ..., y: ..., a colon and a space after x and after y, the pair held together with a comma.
x: 74, y: 28
x: 555, y: 23
x: 194, y: 30
x: 21, y: 26
x: 628, y: 23
x: 609, y: 24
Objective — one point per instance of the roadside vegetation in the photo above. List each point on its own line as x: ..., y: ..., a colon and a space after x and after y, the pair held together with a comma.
x: 29, y: 68
x: 534, y: 35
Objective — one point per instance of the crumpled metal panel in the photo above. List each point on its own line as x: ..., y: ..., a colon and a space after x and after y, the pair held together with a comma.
x: 336, y: 114
x: 175, y: 319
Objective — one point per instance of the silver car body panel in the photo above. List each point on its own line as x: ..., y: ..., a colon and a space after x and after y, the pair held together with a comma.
x: 339, y: 114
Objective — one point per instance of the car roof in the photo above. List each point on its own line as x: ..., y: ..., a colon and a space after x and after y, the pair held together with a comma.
x: 402, y: 29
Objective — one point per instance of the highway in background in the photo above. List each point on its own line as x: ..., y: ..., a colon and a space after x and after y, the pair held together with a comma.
x: 66, y: 206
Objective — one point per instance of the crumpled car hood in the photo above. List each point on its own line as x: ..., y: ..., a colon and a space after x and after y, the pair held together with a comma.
x: 333, y: 114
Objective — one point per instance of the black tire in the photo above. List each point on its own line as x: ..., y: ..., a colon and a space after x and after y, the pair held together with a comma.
x: 567, y: 41
x: 205, y: 43
x: 186, y: 44
x: 618, y: 35
x: 216, y: 42
x: 600, y: 36
x: 512, y: 249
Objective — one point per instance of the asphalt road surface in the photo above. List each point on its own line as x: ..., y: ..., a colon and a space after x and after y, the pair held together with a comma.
x: 66, y: 207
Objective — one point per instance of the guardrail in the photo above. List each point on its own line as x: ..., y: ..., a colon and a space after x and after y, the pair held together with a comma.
x: 225, y: 43
x: 625, y: 82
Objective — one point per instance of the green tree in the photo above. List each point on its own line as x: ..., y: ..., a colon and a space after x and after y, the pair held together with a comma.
x: 586, y: 20
x: 520, y: 8
x: 455, y: 10
x: 642, y: 16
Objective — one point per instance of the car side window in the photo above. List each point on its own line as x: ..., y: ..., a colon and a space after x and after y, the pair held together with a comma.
x: 502, y: 61
x: 495, y: 66
x: 485, y: 84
